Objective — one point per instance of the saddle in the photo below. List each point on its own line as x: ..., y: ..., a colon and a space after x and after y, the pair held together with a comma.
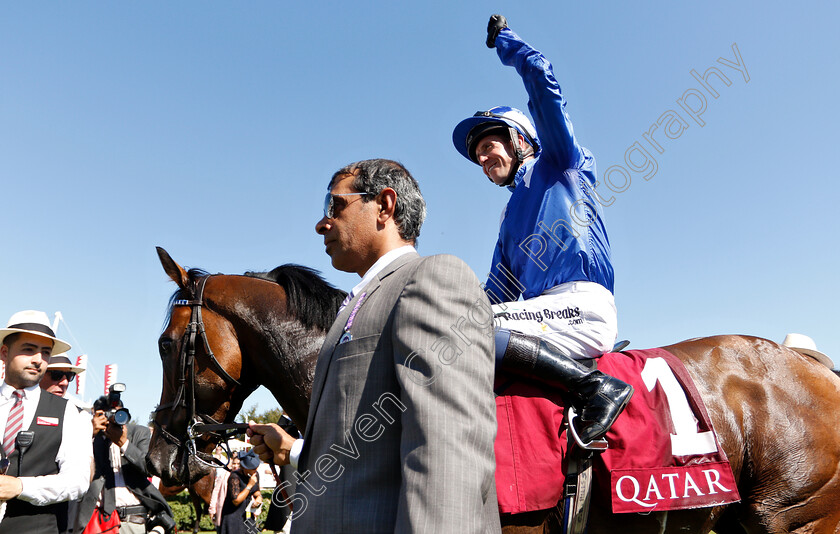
x: 662, y: 453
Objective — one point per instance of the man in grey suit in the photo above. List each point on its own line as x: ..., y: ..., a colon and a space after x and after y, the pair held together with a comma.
x: 399, y: 436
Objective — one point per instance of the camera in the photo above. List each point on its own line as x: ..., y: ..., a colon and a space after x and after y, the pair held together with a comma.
x: 115, y: 412
x: 160, y: 523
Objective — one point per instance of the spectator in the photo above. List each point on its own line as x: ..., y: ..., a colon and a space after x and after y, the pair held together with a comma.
x: 217, y: 499
x: 56, y: 467
x: 243, y: 488
x: 60, y: 374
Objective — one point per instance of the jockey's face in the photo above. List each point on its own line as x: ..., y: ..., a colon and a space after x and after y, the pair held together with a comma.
x: 496, y: 156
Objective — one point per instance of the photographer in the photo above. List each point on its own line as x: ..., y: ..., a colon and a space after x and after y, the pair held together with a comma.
x: 120, y: 482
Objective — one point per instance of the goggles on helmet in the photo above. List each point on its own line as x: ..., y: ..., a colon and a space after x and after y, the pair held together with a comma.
x: 470, y: 130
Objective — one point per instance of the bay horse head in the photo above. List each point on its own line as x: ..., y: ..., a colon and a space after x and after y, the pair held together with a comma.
x: 225, y: 336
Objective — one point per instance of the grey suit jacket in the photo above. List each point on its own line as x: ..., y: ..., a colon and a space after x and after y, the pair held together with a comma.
x: 402, y: 417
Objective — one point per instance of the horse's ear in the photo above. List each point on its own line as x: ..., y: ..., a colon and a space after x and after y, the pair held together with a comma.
x: 175, y: 271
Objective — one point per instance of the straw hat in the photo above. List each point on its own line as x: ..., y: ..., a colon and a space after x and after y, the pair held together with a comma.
x: 33, y: 322
x: 805, y: 345
x: 62, y: 361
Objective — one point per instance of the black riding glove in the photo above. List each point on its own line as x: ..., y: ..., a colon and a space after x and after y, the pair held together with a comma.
x: 494, y: 26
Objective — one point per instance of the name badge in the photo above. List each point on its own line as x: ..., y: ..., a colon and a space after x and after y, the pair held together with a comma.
x: 47, y: 421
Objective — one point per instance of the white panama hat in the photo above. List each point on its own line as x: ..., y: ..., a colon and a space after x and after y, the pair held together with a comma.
x: 62, y: 361
x: 805, y: 345
x: 33, y: 322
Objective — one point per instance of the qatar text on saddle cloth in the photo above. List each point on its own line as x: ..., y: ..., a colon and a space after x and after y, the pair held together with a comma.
x: 664, y: 454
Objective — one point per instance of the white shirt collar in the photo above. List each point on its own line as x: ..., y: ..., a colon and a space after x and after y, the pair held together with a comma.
x: 32, y: 392
x: 380, y: 264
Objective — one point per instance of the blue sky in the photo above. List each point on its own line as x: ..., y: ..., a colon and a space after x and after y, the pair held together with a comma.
x: 212, y: 128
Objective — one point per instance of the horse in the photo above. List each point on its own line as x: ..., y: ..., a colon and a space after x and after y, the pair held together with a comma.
x: 274, y: 342
x: 200, y: 493
x: 773, y: 408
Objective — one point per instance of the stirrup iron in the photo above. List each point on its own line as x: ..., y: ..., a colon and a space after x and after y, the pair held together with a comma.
x: 598, y: 445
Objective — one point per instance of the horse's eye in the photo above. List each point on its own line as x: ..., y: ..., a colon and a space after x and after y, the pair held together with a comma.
x: 164, y: 346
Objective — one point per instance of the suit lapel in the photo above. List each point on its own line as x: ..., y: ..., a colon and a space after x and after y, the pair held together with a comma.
x: 336, y: 330
x: 324, y: 357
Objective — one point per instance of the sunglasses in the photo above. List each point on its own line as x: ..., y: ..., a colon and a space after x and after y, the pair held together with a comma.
x: 329, y: 204
x: 58, y: 375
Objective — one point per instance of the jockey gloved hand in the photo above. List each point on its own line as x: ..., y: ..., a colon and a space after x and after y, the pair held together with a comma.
x: 494, y: 26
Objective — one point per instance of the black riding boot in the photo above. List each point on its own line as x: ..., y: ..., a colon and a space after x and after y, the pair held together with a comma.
x: 599, y: 398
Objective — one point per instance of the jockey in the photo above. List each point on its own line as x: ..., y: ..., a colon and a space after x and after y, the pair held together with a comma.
x: 553, y: 249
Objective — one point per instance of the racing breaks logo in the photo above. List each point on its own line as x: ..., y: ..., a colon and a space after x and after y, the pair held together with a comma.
x: 572, y: 314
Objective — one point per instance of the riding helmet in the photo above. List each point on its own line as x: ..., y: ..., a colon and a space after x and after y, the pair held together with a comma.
x: 503, y: 120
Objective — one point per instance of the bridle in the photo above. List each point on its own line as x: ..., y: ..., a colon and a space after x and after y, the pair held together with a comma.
x: 198, y: 424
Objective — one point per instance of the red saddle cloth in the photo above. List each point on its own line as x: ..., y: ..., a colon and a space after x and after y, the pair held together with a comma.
x: 663, y: 453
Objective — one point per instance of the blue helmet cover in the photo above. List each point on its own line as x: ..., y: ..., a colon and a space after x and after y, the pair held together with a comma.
x: 501, y: 115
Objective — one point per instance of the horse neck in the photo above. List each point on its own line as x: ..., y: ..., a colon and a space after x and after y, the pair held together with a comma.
x: 278, y: 352
x: 288, y: 373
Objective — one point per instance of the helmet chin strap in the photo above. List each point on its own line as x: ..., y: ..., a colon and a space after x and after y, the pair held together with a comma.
x: 519, y: 156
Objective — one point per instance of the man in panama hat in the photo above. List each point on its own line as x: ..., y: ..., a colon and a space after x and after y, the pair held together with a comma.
x: 60, y: 374
x: 35, y: 323
x: 53, y: 465
x: 805, y: 345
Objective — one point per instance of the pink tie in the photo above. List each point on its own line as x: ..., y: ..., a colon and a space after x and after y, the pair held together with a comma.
x: 13, y: 423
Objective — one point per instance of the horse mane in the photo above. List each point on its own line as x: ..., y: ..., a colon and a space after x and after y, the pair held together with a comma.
x: 312, y: 300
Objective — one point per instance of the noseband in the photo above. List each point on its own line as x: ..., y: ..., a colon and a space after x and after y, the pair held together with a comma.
x: 198, y: 424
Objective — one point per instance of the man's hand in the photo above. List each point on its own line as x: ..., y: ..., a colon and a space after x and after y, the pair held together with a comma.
x: 118, y: 434
x: 99, y: 422
x: 270, y: 442
x: 10, y: 487
x: 496, y: 24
